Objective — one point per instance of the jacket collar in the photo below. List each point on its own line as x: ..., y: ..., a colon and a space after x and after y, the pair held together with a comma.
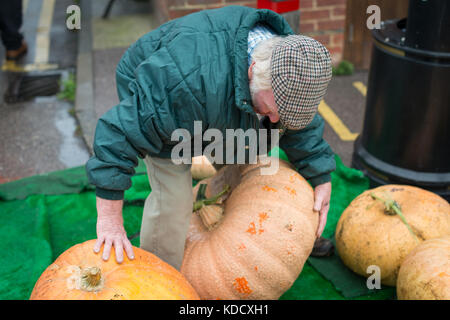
x: 279, y: 25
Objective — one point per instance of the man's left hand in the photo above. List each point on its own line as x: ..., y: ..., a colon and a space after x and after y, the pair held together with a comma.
x: 322, y: 194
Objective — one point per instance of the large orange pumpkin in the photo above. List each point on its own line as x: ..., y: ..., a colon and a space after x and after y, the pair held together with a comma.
x: 80, y: 274
x: 369, y: 233
x: 425, y: 272
x: 265, y: 233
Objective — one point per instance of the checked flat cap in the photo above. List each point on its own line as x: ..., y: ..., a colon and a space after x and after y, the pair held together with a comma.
x: 300, y: 71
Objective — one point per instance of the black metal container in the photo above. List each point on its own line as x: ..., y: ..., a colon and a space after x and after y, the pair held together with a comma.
x: 406, y: 133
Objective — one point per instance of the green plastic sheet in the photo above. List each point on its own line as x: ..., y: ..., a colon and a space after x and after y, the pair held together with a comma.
x: 42, y: 216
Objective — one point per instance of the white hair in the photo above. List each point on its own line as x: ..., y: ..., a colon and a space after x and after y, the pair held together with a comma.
x: 262, y: 55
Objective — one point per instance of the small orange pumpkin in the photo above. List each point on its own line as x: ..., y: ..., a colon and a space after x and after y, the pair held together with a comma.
x: 256, y: 246
x: 80, y: 274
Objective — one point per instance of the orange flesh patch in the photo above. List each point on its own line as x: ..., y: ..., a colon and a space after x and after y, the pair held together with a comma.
x: 293, y: 177
x: 291, y: 191
x: 267, y: 188
x: 252, y: 228
x: 242, y: 246
x: 241, y: 286
x: 262, y: 216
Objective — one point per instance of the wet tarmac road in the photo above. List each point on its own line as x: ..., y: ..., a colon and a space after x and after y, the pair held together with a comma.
x: 40, y: 135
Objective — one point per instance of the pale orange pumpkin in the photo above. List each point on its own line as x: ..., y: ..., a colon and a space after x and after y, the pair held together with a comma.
x: 369, y: 234
x: 256, y: 246
x: 202, y: 168
x: 80, y: 274
x: 425, y: 272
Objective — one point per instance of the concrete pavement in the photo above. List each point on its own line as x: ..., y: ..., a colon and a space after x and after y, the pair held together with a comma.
x: 40, y: 135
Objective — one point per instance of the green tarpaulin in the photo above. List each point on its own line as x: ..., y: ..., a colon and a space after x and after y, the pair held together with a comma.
x: 42, y: 216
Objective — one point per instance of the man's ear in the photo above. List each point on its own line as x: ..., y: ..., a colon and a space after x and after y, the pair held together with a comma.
x: 250, y: 71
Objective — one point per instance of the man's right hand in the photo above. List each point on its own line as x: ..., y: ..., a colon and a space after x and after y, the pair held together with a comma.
x: 110, y: 230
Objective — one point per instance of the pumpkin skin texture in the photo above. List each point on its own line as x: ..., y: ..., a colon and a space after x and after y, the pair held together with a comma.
x: 259, y: 247
x: 425, y: 272
x: 146, y: 277
x: 201, y: 168
x: 366, y: 235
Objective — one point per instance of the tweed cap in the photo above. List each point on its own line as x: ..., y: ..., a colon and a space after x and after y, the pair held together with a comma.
x: 300, y: 72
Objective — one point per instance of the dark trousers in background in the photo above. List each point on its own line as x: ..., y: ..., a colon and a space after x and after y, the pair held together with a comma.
x: 10, y: 23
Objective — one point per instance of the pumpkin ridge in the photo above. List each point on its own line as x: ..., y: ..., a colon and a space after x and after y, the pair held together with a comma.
x: 221, y: 278
x: 204, y: 252
x: 267, y: 253
x: 85, y: 261
x: 228, y: 249
x: 242, y: 264
x: 281, y: 267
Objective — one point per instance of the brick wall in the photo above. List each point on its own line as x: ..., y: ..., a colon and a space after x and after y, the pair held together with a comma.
x: 323, y: 20
x: 172, y: 9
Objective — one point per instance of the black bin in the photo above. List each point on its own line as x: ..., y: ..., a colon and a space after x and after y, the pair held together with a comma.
x: 406, y: 132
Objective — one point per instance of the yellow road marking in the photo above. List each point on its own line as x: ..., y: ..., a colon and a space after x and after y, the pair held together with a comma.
x: 43, y: 32
x: 361, y: 87
x: 42, y: 42
x: 24, y: 6
x: 333, y: 120
x: 11, y: 66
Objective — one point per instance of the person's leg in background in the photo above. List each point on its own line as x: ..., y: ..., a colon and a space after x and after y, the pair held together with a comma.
x: 167, y: 210
x: 10, y: 23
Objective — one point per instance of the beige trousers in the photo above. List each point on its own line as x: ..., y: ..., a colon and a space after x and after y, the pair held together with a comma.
x: 167, y: 210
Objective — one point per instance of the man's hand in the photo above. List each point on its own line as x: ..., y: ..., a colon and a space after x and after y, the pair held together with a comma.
x: 110, y: 230
x: 322, y: 194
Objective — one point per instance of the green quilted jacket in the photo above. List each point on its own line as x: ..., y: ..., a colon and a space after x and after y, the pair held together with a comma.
x: 191, y: 68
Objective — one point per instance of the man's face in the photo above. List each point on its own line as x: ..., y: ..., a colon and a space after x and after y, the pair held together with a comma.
x: 264, y: 104
x: 263, y: 100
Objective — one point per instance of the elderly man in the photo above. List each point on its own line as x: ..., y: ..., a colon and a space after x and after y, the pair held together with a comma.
x: 230, y: 68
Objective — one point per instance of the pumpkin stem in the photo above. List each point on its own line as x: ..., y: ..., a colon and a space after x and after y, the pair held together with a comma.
x: 91, y: 279
x: 211, y: 216
x: 391, y: 207
x: 204, y: 202
x: 210, y: 213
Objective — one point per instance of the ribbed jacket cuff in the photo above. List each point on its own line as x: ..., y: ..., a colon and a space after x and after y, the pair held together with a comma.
x: 320, y: 179
x: 109, y: 194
